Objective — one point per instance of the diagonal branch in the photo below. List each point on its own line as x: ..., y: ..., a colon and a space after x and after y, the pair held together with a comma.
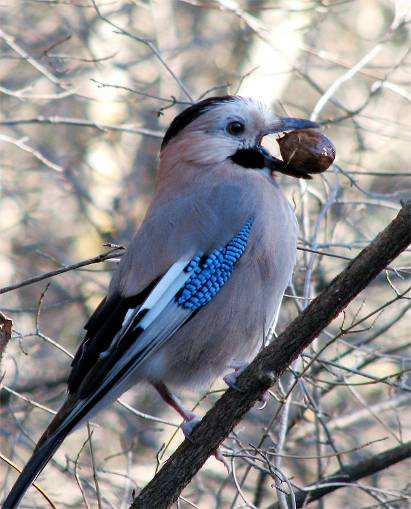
x: 352, y: 474
x: 180, y: 468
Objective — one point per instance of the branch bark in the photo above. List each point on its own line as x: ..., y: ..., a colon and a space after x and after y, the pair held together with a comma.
x: 6, y: 326
x: 351, y: 474
x: 267, y: 367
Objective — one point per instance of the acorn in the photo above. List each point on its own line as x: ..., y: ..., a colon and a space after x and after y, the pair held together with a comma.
x: 305, y: 151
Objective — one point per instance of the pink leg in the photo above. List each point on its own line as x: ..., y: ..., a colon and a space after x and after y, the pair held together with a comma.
x: 190, y: 419
x: 231, y: 381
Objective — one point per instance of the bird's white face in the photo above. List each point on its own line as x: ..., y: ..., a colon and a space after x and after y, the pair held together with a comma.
x: 231, y: 126
x: 217, y: 129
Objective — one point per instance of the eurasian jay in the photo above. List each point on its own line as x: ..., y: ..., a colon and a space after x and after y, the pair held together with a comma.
x: 201, y: 283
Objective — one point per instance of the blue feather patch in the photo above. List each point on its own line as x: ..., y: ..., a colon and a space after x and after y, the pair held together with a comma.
x: 209, y: 276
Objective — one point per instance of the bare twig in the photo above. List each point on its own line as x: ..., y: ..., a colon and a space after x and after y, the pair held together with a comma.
x: 352, y: 473
x: 150, y: 45
x: 40, y: 490
x: 113, y: 253
x: 93, y: 465
x: 81, y: 122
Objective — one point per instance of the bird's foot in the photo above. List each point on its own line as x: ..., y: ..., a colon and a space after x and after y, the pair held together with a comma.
x: 231, y: 381
x: 231, y: 378
x: 190, y: 419
x: 190, y: 422
x: 265, y: 398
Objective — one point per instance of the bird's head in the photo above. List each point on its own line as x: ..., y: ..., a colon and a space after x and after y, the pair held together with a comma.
x: 224, y: 128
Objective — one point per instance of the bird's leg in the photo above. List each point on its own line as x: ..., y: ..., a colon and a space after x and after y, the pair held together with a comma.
x: 231, y: 381
x: 190, y: 418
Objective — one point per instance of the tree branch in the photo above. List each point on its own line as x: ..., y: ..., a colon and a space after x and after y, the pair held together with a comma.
x: 82, y: 122
x: 166, y: 486
x: 6, y: 326
x: 113, y: 253
x: 351, y: 474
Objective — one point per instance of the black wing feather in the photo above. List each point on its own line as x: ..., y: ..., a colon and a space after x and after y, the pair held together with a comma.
x: 101, y: 328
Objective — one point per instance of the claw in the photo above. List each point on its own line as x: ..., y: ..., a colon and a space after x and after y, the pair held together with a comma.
x: 231, y: 378
x: 189, y: 424
x: 231, y: 381
x: 265, y: 398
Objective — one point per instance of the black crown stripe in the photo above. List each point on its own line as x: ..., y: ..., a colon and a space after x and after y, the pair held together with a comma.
x: 191, y: 113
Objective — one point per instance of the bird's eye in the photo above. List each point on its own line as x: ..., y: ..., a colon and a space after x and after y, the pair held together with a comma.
x: 235, y: 128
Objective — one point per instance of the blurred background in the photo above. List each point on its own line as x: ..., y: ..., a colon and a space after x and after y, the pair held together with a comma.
x: 86, y: 91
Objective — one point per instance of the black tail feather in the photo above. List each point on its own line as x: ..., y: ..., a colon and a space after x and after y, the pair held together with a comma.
x: 35, y: 465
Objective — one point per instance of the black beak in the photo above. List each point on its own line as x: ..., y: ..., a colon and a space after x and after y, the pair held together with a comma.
x: 259, y: 158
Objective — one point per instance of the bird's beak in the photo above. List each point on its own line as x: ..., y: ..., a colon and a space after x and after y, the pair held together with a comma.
x: 284, y: 124
x: 281, y: 125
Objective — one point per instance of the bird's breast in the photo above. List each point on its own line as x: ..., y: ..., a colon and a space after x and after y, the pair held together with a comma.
x: 232, y: 326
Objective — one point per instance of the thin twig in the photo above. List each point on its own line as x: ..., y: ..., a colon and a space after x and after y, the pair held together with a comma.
x: 40, y: 277
x: 40, y: 490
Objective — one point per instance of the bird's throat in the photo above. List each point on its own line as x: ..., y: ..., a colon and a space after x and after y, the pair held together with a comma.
x: 253, y: 158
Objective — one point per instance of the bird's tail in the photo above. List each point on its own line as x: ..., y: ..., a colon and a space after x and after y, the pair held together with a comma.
x: 48, y: 444
x: 35, y: 465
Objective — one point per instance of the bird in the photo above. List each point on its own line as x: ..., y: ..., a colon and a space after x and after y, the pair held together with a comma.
x: 200, y: 285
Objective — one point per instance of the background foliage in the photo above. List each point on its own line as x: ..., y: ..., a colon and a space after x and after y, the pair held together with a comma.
x: 86, y: 91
